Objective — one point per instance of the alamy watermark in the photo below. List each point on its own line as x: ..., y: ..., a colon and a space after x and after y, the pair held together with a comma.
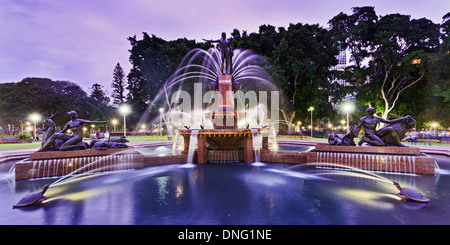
x: 251, y: 107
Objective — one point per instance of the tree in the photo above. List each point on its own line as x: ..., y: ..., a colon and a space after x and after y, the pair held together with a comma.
x: 42, y: 96
x: 302, y: 62
x: 154, y: 60
x: 118, y: 85
x: 98, y: 96
x: 298, y: 59
x: 390, y: 54
x: 400, y: 57
x: 437, y: 99
x: 98, y: 101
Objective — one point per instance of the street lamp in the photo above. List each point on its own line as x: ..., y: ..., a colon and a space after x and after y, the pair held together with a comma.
x: 114, y: 122
x: 311, y: 109
x: 124, y: 109
x: 35, y: 117
x: 435, y: 126
x: 161, y: 111
x: 298, y: 125
x: 348, y: 108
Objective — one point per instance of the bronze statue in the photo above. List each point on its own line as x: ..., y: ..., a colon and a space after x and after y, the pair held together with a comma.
x: 344, y: 139
x: 389, y: 135
x: 225, y: 51
x: 110, y: 143
x: 49, y: 130
x: 69, y: 142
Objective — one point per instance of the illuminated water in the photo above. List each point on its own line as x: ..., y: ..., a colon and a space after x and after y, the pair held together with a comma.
x: 229, y: 194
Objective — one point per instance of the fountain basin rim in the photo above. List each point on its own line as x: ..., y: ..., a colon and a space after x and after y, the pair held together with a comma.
x: 222, y: 131
x: 368, y: 149
x: 78, y: 153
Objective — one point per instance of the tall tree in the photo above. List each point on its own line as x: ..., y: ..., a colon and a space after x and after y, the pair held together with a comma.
x: 154, y: 60
x: 437, y: 101
x: 389, y: 53
x: 400, y: 57
x: 98, y: 97
x: 299, y: 59
x: 118, y: 85
x: 98, y: 102
x: 42, y: 96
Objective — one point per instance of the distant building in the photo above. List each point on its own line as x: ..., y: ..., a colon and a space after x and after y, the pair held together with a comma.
x: 343, y: 62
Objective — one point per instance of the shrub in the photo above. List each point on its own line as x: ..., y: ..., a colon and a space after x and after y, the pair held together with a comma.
x: 26, y: 137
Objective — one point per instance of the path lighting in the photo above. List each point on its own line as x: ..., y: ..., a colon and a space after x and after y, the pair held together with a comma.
x: 124, y: 109
x: 161, y: 111
x: 114, y: 122
x: 35, y: 117
x: 298, y: 126
x: 311, y: 109
x: 348, y: 108
x: 435, y: 126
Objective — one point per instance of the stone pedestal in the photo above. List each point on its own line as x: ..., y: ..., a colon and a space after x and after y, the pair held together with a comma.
x: 265, y: 144
x: 225, y: 117
x: 221, y: 139
x: 59, y: 163
x: 406, y: 160
x: 202, y: 151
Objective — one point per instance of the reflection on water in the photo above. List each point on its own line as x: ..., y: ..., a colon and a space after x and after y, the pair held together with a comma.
x: 230, y: 194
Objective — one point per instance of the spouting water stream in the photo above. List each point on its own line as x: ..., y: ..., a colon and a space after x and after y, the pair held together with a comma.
x: 192, y: 146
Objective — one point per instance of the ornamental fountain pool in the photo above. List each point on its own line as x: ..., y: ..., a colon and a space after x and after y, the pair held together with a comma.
x: 226, y: 172
x: 228, y: 193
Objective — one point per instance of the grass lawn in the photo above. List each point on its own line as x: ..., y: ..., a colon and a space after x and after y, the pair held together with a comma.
x: 38, y: 144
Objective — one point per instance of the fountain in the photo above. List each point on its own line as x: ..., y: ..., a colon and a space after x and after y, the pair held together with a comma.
x: 226, y: 131
x: 179, y: 193
x: 225, y: 142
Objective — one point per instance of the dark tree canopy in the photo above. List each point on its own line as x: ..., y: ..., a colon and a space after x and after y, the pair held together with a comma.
x: 43, y: 96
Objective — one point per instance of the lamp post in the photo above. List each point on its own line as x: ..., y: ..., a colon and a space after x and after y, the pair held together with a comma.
x: 124, y: 109
x: 161, y: 111
x: 35, y: 117
x: 311, y: 109
x: 348, y: 108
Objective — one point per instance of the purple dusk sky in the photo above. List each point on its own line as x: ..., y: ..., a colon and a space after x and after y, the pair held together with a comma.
x: 82, y: 40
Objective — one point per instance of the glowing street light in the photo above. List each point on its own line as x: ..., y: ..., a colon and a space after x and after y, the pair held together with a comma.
x: 161, y: 111
x: 114, y: 122
x: 434, y: 125
x: 35, y: 117
x: 297, y: 128
x: 124, y: 109
x: 348, y: 108
x: 311, y: 109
